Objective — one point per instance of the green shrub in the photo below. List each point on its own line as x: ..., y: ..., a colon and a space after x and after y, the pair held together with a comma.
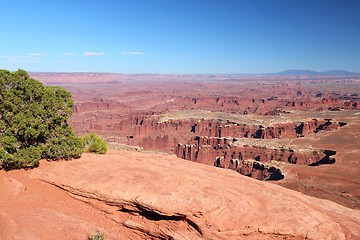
x: 33, y: 122
x: 95, y: 144
x: 97, y: 236
x: 25, y: 157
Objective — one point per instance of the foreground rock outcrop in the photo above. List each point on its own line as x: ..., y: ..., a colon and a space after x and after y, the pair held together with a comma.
x: 163, y: 197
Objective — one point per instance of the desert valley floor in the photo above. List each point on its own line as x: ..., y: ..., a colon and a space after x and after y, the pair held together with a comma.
x: 198, y: 157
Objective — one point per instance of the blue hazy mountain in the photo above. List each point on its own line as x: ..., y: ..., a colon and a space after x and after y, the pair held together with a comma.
x: 294, y: 72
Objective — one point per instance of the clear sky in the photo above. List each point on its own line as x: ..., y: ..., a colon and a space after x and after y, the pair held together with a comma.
x: 180, y: 36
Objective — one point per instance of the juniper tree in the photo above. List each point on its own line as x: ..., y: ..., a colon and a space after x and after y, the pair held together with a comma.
x: 33, y: 122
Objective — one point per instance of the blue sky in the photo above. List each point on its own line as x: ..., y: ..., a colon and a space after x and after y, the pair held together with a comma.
x: 180, y: 36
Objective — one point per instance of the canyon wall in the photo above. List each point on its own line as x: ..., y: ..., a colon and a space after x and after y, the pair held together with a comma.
x: 214, y: 141
x: 253, y: 160
x: 208, y: 149
x: 264, y: 106
x: 149, y: 133
x: 239, y: 105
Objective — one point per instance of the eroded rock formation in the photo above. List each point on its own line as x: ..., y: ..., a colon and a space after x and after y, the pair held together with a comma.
x: 231, y: 153
x: 153, y: 131
x: 149, y: 132
x: 163, y: 197
x: 97, y: 106
x: 253, y: 168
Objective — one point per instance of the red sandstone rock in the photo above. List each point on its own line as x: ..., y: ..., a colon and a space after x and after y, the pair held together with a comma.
x: 161, y: 196
x: 149, y: 133
x: 97, y: 106
x: 207, y: 149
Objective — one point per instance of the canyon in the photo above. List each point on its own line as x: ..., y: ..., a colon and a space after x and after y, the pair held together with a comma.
x: 250, y: 124
x: 199, y: 157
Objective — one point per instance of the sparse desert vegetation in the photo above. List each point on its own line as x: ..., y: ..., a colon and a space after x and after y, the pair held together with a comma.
x: 95, y: 144
x: 97, y: 236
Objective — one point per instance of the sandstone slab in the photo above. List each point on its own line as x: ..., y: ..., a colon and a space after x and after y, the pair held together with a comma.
x: 164, y: 197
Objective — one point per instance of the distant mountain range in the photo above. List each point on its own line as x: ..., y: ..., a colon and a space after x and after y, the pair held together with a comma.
x: 117, y: 76
x: 294, y: 72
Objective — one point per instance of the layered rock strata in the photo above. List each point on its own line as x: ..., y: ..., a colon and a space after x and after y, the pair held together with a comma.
x: 234, y: 153
x: 149, y: 132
